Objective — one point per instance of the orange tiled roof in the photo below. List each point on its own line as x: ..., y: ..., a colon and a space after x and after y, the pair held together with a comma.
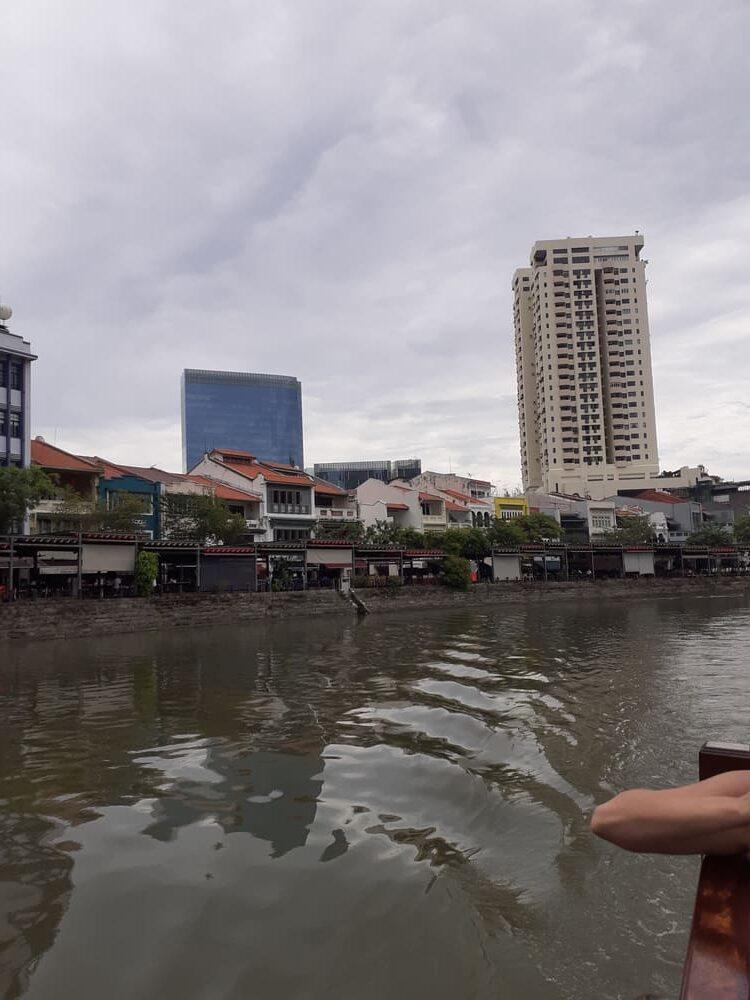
x: 466, y: 498
x: 450, y: 505
x: 49, y: 457
x: 155, y: 475
x: 234, y: 453
x: 274, y: 476
x: 278, y: 465
x: 224, y: 491
x: 397, y: 506
x: 431, y: 496
x: 659, y: 496
x: 328, y: 489
x: 111, y: 471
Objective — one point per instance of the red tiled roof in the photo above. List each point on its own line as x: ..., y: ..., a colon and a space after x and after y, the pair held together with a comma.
x: 154, y: 475
x: 431, y: 496
x: 229, y: 550
x: 278, y: 465
x: 251, y: 467
x: 243, y: 457
x: 465, y: 497
x: 233, y: 453
x: 397, y: 506
x: 111, y: 471
x: 659, y: 496
x: 450, y: 505
x: 328, y: 489
x: 271, y: 475
x: 224, y: 491
x: 49, y: 457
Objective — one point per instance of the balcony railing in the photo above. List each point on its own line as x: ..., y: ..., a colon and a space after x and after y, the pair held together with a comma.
x: 289, y: 508
x: 433, y: 519
x: 336, y: 513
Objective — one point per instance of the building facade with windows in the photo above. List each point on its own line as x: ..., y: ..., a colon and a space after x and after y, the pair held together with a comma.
x: 15, y: 395
x: 350, y: 475
x: 255, y: 413
x: 507, y: 508
x: 583, y: 359
x: 479, y: 489
x: 286, y: 509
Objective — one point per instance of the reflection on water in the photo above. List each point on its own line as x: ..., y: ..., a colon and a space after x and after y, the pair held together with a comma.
x: 396, y: 807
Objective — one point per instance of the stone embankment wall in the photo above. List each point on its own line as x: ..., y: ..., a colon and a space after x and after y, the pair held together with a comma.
x: 70, y: 618
x: 64, y: 619
x: 484, y: 594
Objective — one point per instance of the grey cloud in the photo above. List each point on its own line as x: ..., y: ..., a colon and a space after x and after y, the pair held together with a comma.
x: 342, y: 191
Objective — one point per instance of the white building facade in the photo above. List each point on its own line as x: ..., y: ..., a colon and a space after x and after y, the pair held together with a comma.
x: 583, y: 358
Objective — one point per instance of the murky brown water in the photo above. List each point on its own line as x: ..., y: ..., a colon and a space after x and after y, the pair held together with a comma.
x: 395, y: 808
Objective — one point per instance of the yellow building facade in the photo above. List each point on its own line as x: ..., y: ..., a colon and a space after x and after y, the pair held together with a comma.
x: 508, y: 507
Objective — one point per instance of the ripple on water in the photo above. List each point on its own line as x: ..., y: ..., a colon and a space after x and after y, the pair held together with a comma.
x: 397, y: 808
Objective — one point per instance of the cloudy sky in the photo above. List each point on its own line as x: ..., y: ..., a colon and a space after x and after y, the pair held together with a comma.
x: 340, y: 190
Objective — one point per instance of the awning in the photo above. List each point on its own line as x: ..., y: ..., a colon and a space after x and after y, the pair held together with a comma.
x: 323, y: 556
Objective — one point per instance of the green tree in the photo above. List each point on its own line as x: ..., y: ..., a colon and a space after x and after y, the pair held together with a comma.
x: 712, y: 534
x: 20, y: 490
x: 457, y: 572
x: 742, y: 530
x: 506, y: 532
x: 475, y: 545
x: 345, y: 531
x: 74, y: 513
x: 146, y: 568
x: 392, y: 536
x: 632, y: 530
x: 539, y: 528
x: 201, y: 518
x: 124, y: 515
x: 450, y: 541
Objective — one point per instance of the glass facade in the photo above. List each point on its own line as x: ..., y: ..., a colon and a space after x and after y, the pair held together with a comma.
x: 15, y: 364
x: 350, y: 475
x: 261, y: 414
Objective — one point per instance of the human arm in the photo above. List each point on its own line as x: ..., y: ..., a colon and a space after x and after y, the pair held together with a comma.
x: 708, y: 817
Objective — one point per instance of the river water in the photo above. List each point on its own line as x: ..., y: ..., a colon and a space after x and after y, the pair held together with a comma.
x: 336, y: 809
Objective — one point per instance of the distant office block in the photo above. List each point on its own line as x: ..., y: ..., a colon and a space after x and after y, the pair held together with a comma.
x: 15, y: 395
x: 261, y: 414
x: 350, y: 475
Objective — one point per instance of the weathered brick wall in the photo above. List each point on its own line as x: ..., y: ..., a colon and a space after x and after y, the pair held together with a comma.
x: 69, y: 618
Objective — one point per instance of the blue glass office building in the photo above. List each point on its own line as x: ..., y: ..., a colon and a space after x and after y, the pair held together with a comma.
x: 261, y: 414
x: 350, y: 475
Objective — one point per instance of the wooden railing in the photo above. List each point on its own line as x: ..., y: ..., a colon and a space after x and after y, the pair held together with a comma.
x: 717, y: 965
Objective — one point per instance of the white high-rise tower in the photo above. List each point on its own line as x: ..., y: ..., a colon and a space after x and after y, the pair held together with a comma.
x: 583, y: 356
